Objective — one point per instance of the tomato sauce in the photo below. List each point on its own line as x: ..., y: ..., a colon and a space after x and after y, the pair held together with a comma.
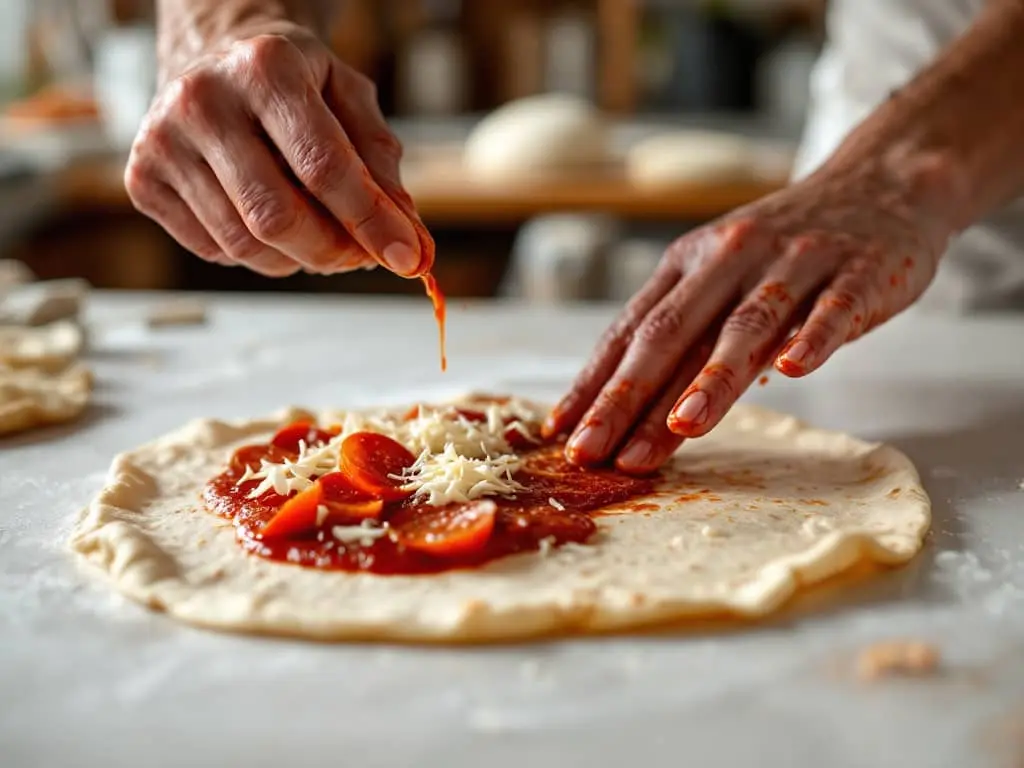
x: 521, y: 524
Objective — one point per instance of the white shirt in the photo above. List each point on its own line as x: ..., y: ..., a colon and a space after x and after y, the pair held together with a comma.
x: 875, y: 46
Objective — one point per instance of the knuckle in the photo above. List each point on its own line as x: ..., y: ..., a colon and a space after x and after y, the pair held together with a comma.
x: 320, y: 170
x: 659, y: 327
x: 189, y: 95
x: 240, y: 245
x: 752, y: 319
x: 140, y: 184
x: 269, y: 216
x: 806, y: 243
x: 264, y: 53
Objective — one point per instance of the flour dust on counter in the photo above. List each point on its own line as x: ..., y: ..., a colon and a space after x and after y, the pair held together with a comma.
x: 455, y: 522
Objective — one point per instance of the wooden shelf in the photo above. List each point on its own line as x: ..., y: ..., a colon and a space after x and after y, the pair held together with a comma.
x: 445, y: 196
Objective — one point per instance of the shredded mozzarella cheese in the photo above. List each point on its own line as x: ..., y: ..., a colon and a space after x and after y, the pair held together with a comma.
x: 459, y: 459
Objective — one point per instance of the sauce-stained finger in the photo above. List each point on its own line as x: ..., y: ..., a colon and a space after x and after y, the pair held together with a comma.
x: 608, y: 352
x: 751, y: 334
x: 317, y: 149
x: 272, y: 208
x: 651, y: 443
x: 661, y: 340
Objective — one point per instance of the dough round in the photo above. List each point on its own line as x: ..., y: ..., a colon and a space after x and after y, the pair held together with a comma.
x: 762, y: 505
x: 537, y: 135
x: 690, y: 157
x: 31, y: 398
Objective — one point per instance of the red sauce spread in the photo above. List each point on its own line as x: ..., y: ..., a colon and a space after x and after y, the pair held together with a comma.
x: 520, y: 524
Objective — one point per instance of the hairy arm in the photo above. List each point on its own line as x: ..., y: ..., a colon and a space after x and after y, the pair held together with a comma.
x: 187, y: 28
x: 954, y: 132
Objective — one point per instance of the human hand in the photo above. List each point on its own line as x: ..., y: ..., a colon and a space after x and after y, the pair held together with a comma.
x: 833, y: 256
x: 267, y: 151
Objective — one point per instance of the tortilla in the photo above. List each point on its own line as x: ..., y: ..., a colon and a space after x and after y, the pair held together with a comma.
x: 743, y: 517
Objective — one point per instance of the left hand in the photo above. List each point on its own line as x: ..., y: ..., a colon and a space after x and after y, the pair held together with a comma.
x: 834, y: 255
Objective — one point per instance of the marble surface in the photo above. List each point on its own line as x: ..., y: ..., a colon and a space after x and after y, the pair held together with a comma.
x: 89, y: 679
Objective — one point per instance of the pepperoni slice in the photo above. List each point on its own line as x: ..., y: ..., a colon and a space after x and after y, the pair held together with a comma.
x: 297, y: 515
x: 370, y: 459
x: 251, y: 456
x: 288, y: 437
x: 345, y: 502
x: 517, y: 440
x: 454, y: 531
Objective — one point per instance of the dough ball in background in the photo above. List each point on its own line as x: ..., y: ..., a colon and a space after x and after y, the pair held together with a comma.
x: 538, y: 135
x: 706, y: 157
x: 689, y: 157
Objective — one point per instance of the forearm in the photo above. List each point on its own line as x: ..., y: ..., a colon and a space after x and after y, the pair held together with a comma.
x: 188, y: 28
x: 953, y: 134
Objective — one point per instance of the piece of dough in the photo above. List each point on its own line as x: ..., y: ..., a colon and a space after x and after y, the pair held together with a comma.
x: 185, y: 311
x: 44, y: 302
x: 898, y: 657
x: 537, y: 135
x: 13, y: 273
x: 761, y: 506
x: 31, y: 398
x: 47, y: 348
x: 690, y: 157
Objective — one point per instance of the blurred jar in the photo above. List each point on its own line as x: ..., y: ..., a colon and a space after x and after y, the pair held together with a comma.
x: 124, y: 80
x: 561, y: 257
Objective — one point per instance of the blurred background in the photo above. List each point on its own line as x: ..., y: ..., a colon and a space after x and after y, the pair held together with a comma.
x: 76, y: 77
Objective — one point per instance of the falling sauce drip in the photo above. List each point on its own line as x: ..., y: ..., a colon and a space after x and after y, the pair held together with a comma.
x: 437, y: 299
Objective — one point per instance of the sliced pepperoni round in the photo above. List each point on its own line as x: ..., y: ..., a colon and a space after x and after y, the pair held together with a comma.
x: 452, y: 531
x: 372, y: 462
x: 297, y: 515
x: 288, y: 437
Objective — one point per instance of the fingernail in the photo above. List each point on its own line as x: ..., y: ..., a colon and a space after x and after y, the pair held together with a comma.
x: 589, y: 444
x: 547, y: 429
x: 401, y: 258
x: 797, y: 352
x: 692, y: 410
x: 636, y: 455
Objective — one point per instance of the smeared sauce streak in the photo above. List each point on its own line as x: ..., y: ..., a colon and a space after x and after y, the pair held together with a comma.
x: 522, y: 523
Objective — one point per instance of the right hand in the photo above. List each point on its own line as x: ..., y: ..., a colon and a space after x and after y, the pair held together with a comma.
x: 270, y: 153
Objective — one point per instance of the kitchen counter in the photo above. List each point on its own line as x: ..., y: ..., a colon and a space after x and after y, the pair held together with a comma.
x: 90, y: 679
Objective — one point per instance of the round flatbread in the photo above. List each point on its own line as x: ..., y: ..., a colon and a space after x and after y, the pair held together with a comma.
x: 743, y: 517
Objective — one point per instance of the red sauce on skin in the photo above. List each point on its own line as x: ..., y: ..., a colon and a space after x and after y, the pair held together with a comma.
x: 520, y: 525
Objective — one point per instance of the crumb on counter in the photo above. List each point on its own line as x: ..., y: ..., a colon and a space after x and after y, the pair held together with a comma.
x: 897, y: 658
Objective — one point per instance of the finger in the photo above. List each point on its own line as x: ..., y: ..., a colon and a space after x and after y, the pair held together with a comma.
x: 651, y: 443
x: 270, y: 206
x: 353, y: 99
x: 201, y: 191
x: 608, y: 352
x: 161, y: 203
x: 661, y: 340
x: 752, y: 331
x: 841, y: 313
x: 292, y: 111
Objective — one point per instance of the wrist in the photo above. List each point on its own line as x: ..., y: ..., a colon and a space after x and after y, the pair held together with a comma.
x: 190, y: 31
x: 922, y: 184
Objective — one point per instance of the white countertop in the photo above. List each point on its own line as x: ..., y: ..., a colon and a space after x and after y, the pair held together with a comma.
x: 87, y: 679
